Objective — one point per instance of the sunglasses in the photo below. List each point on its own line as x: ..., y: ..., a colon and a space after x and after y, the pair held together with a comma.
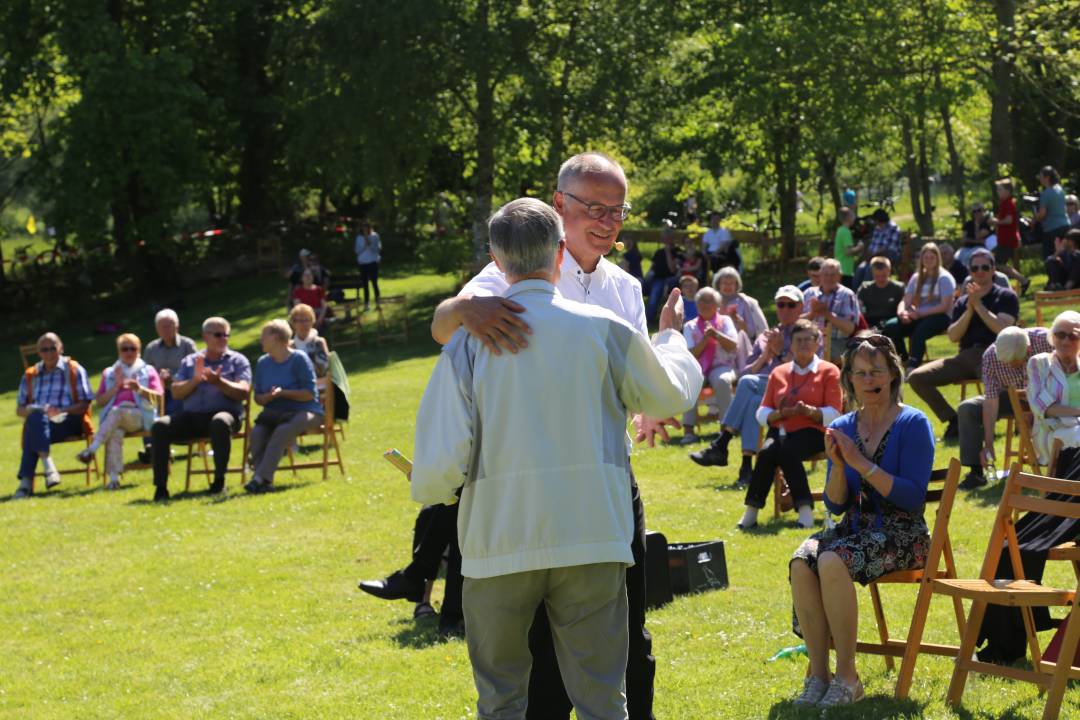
x: 51, y: 348
x: 1062, y: 335
x: 220, y: 335
x: 875, y: 340
x: 788, y: 305
x: 981, y: 268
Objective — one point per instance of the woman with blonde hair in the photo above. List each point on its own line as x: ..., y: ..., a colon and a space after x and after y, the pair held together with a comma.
x: 306, y: 338
x: 924, y: 310
x: 128, y: 396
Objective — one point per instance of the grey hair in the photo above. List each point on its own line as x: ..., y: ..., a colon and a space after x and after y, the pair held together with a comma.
x: 707, y: 292
x: 846, y: 213
x: 1069, y: 316
x: 279, y: 327
x: 586, y: 163
x: 216, y: 322
x: 730, y: 272
x: 54, y: 338
x: 946, y: 247
x: 832, y: 263
x: 167, y: 314
x: 1012, y: 344
x: 524, y: 236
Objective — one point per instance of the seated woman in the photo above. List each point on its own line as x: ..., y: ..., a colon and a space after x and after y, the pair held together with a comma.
x: 306, y: 338
x: 128, y: 396
x: 880, y: 459
x: 285, y: 387
x: 801, y: 398
x: 926, y: 308
x: 1054, y: 388
x: 713, y: 340
x: 741, y: 308
x: 310, y: 294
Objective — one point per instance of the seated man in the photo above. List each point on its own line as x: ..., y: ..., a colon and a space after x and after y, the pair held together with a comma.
x: 878, y: 298
x: 550, y: 524
x: 976, y: 231
x: 977, y: 317
x: 212, y: 384
x: 885, y: 240
x: 834, y: 304
x: 165, y: 353
x: 54, y: 398
x: 771, y: 349
x: 1063, y: 267
x: 663, y: 271
x: 1004, y: 366
x: 813, y: 273
x: 719, y: 247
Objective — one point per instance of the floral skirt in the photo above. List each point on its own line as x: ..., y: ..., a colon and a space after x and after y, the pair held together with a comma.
x: 902, y: 542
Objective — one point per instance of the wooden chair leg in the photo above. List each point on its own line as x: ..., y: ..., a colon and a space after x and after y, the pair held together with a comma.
x: 327, y: 435
x: 1061, y: 669
x: 914, y: 639
x: 777, y: 489
x: 292, y: 459
x: 882, y: 627
x: 963, y: 656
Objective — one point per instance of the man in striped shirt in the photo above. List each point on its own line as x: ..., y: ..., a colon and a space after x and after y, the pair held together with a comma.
x: 54, y: 396
x: 1004, y: 366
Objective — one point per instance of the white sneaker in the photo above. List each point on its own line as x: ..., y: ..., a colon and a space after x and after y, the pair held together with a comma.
x: 52, y: 479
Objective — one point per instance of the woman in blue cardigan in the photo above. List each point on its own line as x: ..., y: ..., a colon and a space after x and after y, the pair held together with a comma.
x: 880, y: 459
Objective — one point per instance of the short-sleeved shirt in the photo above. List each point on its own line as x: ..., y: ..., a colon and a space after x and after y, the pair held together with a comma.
x: 1052, y: 199
x: 997, y: 376
x: 931, y: 293
x: 207, y: 398
x: 367, y: 248
x: 296, y: 373
x: 721, y: 357
x: 759, y: 349
x: 153, y: 382
x: 880, y: 302
x: 841, y: 301
x: 1008, y: 234
x: 313, y: 296
x: 659, y: 265
x: 163, y: 357
x: 54, y: 387
x: 843, y: 241
x: 717, y: 240
x: 998, y: 300
x: 885, y: 240
x: 971, y: 235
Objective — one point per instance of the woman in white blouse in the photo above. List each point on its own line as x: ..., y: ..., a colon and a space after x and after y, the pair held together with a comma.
x: 924, y: 312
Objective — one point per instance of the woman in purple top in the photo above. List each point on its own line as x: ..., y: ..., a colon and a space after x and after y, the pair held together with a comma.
x: 880, y: 460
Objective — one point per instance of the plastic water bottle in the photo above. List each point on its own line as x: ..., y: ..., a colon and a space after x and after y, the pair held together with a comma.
x: 789, y: 652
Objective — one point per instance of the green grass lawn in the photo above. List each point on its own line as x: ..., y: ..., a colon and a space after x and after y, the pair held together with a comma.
x: 247, y: 607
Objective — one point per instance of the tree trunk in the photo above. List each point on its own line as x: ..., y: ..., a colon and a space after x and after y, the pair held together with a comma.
x: 956, y: 165
x: 484, y: 175
x: 785, y: 150
x: 911, y: 169
x: 926, y: 221
x: 1001, y: 128
x: 254, y: 31
x: 828, y: 174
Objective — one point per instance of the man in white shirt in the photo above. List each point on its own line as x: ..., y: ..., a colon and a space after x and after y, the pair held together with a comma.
x: 552, y: 520
x: 718, y: 245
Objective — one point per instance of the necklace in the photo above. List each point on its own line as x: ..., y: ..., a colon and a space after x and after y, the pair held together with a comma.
x: 869, y: 432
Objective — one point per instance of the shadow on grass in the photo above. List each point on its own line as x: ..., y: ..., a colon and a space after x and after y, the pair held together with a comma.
x: 988, y: 495
x: 872, y: 706
x: 1010, y: 713
x: 419, y: 634
x: 772, y: 527
x: 234, y: 492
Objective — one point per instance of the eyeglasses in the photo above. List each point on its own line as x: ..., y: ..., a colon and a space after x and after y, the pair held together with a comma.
x: 599, y: 210
x: 50, y: 349
x: 220, y: 335
x: 981, y: 268
x: 787, y: 305
x: 1062, y: 335
x: 129, y: 348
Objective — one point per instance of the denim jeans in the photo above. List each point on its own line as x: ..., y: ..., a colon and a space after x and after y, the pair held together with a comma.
x: 39, y: 434
x: 741, y: 413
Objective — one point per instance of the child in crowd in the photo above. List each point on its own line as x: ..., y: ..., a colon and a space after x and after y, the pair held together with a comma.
x: 688, y: 286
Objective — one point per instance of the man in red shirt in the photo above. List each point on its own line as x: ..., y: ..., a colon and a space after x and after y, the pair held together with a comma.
x: 1008, y: 233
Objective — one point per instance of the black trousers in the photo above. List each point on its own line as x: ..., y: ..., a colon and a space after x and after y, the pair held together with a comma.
x: 787, y: 452
x: 547, y: 694
x: 369, y: 272
x: 435, y: 530
x: 185, y: 426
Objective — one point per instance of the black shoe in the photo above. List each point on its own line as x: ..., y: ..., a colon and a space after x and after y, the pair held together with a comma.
x: 1024, y: 285
x: 144, y: 457
x: 161, y: 493
x: 952, y: 431
x: 710, y: 456
x: 218, y: 486
x: 452, y: 629
x: 745, y: 473
x: 394, y: 587
x: 973, y: 480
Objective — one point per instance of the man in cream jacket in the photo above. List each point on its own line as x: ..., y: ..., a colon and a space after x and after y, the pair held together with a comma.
x: 536, y: 443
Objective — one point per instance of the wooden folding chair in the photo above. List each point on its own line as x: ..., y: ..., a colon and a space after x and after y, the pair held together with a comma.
x: 388, y: 331
x: 942, y: 489
x: 965, y: 384
x: 1051, y: 300
x: 327, y: 430
x: 780, y: 484
x: 1024, y: 418
x: 27, y: 353
x: 243, y: 434
x: 1019, y: 593
x: 90, y: 469
x: 703, y: 416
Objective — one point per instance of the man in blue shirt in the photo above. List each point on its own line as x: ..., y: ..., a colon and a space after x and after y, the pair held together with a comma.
x: 213, y: 384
